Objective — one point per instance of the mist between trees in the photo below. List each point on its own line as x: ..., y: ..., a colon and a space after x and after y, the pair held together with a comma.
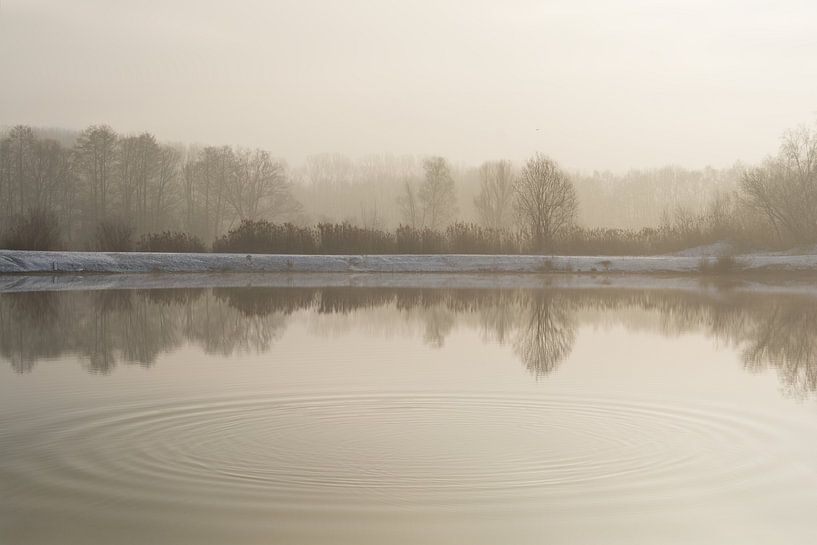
x: 100, y: 190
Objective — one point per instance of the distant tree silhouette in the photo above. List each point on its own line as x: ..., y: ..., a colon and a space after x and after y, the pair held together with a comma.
x: 494, y: 203
x: 784, y: 189
x: 545, y: 201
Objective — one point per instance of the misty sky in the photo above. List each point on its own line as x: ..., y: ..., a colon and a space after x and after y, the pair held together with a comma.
x: 595, y: 84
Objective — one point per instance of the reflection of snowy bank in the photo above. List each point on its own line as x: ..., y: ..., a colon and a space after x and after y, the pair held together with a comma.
x: 16, y: 262
x: 795, y: 285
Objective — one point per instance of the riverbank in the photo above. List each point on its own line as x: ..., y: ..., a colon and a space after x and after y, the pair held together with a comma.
x: 29, y: 262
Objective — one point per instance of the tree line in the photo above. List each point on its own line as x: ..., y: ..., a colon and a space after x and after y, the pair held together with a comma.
x: 103, y: 190
x: 107, y: 182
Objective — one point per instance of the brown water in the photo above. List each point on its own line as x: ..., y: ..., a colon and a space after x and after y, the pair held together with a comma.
x: 349, y: 415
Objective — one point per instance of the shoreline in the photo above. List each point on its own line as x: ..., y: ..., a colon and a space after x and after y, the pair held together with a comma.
x: 788, y: 286
x: 16, y: 262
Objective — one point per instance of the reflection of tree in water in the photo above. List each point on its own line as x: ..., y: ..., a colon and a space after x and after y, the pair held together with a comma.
x: 546, y: 333
x: 261, y: 302
x: 132, y: 326
x: 786, y: 339
x: 345, y: 300
x: 27, y: 323
x: 438, y: 325
x: 98, y: 345
x: 108, y: 327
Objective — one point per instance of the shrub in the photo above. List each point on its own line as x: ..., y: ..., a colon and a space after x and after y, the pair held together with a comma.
x: 461, y: 238
x: 410, y: 240
x: 647, y: 241
x: 114, y: 236
x: 469, y: 238
x: 345, y: 238
x: 432, y: 242
x: 35, y: 230
x: 263, y: 237
x: 172, y: 242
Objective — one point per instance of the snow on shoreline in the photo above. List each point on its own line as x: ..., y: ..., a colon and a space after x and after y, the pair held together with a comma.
x: 28, y: 262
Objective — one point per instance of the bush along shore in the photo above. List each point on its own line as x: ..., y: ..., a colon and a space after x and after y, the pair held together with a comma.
x: 38, y: 231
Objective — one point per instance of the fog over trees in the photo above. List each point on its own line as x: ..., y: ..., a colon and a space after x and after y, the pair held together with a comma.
x: 495, y: 199
x: 136, y: 182
x: 98, y: 189
x: 433, y: 204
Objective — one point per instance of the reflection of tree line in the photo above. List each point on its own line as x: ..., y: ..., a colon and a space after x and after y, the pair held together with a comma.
x: 107, y: 327
x: 773, y: 331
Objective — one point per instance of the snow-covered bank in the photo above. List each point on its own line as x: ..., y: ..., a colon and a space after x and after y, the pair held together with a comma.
x: 24, y: 262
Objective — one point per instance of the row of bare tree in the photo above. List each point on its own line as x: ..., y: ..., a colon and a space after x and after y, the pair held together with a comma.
x: 137, y: 181
x: 335, y: 188
x: 101, y: 176
x: 774, y: 204
x: 106, y: 178
x: 540, y: 200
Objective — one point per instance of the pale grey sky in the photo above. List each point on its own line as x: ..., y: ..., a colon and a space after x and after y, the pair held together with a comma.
x: 595, y: 84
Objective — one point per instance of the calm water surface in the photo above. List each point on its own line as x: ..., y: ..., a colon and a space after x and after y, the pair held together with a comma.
x: 351, y: 415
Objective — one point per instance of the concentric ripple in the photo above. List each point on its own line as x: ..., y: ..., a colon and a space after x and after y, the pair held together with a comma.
x: 386, y: 450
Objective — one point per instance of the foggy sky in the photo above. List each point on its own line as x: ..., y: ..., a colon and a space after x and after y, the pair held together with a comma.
x: 595, y: 84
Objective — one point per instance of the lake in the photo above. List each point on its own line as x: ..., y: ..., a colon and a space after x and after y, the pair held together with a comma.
x: 381, y: 414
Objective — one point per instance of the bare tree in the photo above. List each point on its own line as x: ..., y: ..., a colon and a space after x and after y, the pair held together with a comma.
x: 328, y: 185
x: 370, y: 217
x: 6, y: 183
x: 784, y: 189
x: 437, y: 195
x: 147, y: 155
x: 19, y: 148
x: 52, y: 188
x: 95, y: 150
x: 35, y: 182
x: 126, y: 177
x: 545, y: 200
x: 495, y: 199
x: 259, y: 187
x: 327, y: 170
x: 216, y: 167
x: 409, y: 206
x: 190, y: 176
x: 49, y: 171
x: 165, y: 188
